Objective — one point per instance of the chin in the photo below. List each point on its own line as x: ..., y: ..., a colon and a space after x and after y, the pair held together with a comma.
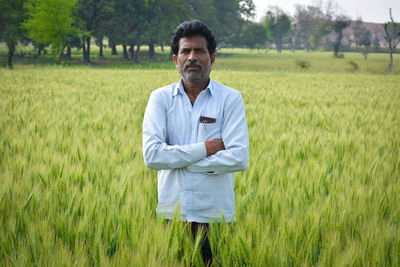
x: 194, y: 78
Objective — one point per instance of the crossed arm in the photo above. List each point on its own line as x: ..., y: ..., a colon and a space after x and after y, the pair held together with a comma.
x: 218, y: 156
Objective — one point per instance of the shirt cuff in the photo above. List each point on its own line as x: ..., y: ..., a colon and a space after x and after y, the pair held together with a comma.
x: 199, y: 150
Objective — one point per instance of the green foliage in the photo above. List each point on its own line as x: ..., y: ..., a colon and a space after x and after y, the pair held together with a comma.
x: 392, y: 36
x: 340, y: 23
x: 353, y: 66
x: 51, y: 21
x: 339, y: 55
x: 312, y: 24
x: 362, y: 36
x: 227, y: 19
x: 278, y: 24
x: 130, y: 23
x: 247, y: 9
x: 12, y: 14
x: 254, y: 34
x: 322, y: 187
x: 303, y: 64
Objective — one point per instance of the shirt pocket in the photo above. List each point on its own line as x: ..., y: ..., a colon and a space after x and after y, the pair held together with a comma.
x: 209, y: 131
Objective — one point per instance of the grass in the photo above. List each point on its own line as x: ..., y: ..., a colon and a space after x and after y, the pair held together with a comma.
x: 228, y: 59
x: 322, y: 187
x: 270, y: 60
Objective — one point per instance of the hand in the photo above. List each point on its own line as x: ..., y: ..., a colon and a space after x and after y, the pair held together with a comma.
x: 214, y: 146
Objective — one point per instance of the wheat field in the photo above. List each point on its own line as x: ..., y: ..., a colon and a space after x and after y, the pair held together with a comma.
x: 322, y: 186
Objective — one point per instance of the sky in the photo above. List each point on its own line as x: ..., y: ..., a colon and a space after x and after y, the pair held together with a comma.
x: 369, y: 10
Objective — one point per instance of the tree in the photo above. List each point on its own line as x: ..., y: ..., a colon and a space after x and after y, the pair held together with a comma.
x: 12, y: 14
x: 247, y: 9
x: 361, y: 36
x: 322, y: 28
x: 312, y: 23
x: 358, y: 30
x: 174, y: 12
x: 366, y: 43
x: 228, y: 20
x: 51, y: 21
x: 254, y: 35
x: 160, y: 19
x: 129, y: 24
x: 152, y: 19
x: 376, y: 43
x: 103, y: 22
x: 392, y: 32
x: 277, y: 24
x: 340, y: 23
x: 88, y: 14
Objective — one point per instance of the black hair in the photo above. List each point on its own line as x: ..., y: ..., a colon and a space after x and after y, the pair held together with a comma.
x: 190, y: 29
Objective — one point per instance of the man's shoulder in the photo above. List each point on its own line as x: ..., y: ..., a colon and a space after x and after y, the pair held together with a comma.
x: 225, y: 91
x: 165, y: 91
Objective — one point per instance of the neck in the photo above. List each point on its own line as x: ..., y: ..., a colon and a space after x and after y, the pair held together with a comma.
x: 193, y: 89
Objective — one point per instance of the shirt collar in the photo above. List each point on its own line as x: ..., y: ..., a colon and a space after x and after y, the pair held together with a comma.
x: 179, y: 88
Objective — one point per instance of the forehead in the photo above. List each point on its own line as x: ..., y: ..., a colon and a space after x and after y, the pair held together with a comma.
x: 193, y: 42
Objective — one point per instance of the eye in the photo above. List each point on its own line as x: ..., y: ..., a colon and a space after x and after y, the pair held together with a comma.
x: 185, y: 51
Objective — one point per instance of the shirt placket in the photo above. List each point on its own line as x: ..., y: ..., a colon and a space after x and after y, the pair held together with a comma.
x: 194, y: 112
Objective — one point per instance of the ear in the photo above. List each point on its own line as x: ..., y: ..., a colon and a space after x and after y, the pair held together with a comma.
x: 213, y: 58
x: 175, y: 58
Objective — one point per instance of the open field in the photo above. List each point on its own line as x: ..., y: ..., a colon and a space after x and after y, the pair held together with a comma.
x: 322, y: 185
x: 227, y: 59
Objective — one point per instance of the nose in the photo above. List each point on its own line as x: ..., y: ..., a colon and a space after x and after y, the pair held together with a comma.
x: 192, y: 56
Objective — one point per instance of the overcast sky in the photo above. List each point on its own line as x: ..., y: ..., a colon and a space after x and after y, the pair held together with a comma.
x: 368, y: 10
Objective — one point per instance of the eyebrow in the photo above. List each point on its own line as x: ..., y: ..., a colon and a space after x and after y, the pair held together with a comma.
x: 184, y: 49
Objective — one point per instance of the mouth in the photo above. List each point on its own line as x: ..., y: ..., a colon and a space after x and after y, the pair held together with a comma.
x: 192, y: 67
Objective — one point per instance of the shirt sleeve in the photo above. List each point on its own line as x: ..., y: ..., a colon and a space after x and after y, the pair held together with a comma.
x: 157, y: 154
x: 235, y: 157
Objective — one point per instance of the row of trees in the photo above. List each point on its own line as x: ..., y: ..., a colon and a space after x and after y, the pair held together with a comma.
x: 316, y: 27
x: 64, y: 24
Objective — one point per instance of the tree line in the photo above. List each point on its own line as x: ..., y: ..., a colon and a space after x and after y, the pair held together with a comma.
x: 319, y: 27
x: 65, y: 24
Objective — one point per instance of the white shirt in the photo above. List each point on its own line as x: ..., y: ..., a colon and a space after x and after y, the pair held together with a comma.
x: 200, y: 186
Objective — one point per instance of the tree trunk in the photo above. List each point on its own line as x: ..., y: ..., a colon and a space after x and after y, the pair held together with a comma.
x: 87, y: 59
x: 389, y: 41
x: 336, y: 45
x: 151, y: 50
x: 162, y: 47
x: 114, y: 49
x: 101, y: 46
x: 125, y: 52
x: 279, y: 45
x: 131, y: 50
x: 11, y: 48
x: 60, y: 55
x: 336, y: 49
x: 391, y: 56
x: 68, y: 52
x: 137, y: 53
x: 40, y: 48
x: 83, y: 49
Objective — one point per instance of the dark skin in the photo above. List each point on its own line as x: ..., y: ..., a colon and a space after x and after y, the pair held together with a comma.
x: 194, y: 63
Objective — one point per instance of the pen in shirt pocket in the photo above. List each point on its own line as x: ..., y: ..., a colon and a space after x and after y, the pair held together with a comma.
x: 204, y: 120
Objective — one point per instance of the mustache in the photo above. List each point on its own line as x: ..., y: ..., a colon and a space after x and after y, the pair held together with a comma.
x: 192, y: 64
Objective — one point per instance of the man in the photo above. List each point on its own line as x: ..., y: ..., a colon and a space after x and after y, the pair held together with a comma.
x: 195, y: 135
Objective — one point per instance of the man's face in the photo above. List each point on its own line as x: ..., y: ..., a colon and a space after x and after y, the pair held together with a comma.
x: 193, y: 60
